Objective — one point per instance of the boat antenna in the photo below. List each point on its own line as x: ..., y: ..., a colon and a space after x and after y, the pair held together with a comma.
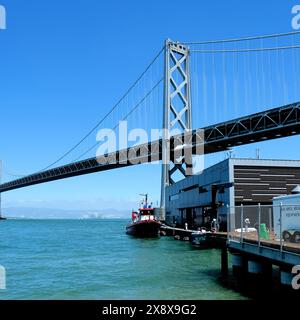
x: 146, y: 197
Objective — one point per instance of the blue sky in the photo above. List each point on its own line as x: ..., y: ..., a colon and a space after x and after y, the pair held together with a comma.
x: 63, y: 64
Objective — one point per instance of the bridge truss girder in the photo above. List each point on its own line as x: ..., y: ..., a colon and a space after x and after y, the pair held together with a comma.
x: 270, y: 124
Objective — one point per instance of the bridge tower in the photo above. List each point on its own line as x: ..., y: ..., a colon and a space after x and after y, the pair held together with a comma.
x: 177, y: 112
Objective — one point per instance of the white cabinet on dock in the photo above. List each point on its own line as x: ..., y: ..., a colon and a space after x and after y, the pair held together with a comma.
x: 290, y: 211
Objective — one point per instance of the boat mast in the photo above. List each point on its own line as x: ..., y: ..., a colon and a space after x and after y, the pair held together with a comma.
x: 146, y: 197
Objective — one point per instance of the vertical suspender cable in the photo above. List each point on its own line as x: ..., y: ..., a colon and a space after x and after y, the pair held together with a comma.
x: 263, y: 74
x: 214, y: 86
x: 224, y: 76
x: 270, y: 79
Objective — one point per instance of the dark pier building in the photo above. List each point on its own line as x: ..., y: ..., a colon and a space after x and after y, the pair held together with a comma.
x: 197, y: 199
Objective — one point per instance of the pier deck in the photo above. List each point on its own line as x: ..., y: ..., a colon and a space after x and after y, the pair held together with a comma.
x: 249, y: 245
x: 279, y: 252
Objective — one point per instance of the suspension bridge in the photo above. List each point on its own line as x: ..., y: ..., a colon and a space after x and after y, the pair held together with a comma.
x: 242, y: 90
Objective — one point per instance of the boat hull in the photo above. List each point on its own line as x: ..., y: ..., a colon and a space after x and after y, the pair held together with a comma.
x: 144, y: 229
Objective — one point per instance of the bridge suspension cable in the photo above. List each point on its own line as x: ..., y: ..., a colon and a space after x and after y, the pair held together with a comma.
x: 198, y: 50
x: 247, y: 50
x: 11, y: 173
x: 251, y: 74
x: 124, y: 118
x: 115, y: 106
x: 274, y: 35
x: 243, y: 75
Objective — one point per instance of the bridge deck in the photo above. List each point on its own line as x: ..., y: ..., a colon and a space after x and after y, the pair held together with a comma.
x: 266, y: 125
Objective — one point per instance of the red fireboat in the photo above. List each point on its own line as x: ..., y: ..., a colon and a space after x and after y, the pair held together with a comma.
x: 144, y: 223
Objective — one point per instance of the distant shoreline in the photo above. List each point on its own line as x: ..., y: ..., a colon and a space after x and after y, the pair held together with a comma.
x: 56, y: 218
x: 59, y: 213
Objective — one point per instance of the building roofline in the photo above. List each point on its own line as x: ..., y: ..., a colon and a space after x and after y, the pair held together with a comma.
x: 265, y: 159
x: 265, y: 162
x: 262, y: 162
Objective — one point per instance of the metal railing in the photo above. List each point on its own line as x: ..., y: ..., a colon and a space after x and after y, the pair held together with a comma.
x: 273, y: 226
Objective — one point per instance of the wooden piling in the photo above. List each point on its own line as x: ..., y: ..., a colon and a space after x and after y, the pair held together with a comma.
x: 224, y: 261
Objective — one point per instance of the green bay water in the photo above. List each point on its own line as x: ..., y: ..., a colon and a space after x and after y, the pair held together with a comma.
x: 95, y: 259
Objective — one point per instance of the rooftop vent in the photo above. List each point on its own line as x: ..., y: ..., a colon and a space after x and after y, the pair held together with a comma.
x: 296, y: 190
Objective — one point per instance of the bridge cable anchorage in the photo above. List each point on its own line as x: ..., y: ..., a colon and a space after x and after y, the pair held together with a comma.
x: 275, y: 35
x: 123, y: 119
x: 109, y: 112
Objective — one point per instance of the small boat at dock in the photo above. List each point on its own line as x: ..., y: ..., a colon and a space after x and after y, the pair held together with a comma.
x: 144, y: 223
x: 199, y: 239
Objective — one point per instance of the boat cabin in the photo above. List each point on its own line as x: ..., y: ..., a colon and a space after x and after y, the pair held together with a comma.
x: 143, y: 214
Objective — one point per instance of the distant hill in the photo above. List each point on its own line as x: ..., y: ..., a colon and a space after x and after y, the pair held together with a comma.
x: 45, y: 213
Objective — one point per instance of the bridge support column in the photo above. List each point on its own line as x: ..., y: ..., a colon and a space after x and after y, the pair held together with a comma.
x: 177, y: 115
